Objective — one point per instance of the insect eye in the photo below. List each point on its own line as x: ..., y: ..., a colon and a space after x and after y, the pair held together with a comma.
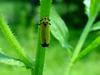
x: 43, y: 22
x: 45, y: 18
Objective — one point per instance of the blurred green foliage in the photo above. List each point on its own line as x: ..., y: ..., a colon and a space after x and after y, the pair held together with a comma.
x: 17, y: 14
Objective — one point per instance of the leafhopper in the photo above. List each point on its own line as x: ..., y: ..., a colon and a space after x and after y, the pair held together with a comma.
x: 45, y: 31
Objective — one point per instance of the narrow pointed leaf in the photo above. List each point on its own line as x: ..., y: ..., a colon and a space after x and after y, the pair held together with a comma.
x: 58, y: 28
x: 90, y: 47
x: 4, y: 59
x: 96, y: 26
x: 92, y: 7
x: 12, y: 40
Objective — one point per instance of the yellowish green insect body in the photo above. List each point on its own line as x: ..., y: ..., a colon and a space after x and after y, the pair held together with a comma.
x: 45, y: 31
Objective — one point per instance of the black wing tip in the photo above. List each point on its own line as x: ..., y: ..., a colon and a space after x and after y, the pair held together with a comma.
x: 45, y: 45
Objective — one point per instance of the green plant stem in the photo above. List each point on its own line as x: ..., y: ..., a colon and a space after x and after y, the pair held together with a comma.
x: 45, y: 6
x: 90, y: 47
x: 40, y: 57
x: 82, y: 39
x: 80, y: 43
x: 39, y: 62
x: 13, y: 41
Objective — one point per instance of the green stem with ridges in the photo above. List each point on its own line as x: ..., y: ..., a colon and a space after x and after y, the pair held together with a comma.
x: 45, y: 6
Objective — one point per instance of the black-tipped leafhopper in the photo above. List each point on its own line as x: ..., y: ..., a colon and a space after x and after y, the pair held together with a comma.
x: 45, y: 31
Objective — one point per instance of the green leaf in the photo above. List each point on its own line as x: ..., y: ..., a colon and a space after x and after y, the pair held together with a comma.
x: 13, y: 41
x: 96, y: 26
x: 1, y: 51
x: 87, y: 6
x: 60, y: 31
x: 58, y: 28
x: 4, y: 59
x: 90, y: 47
x: 92, y: 7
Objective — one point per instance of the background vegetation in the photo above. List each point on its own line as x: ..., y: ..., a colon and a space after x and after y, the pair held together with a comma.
x: 22, y: 17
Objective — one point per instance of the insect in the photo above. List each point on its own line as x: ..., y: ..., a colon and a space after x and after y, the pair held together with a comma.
x: 45, y: 31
